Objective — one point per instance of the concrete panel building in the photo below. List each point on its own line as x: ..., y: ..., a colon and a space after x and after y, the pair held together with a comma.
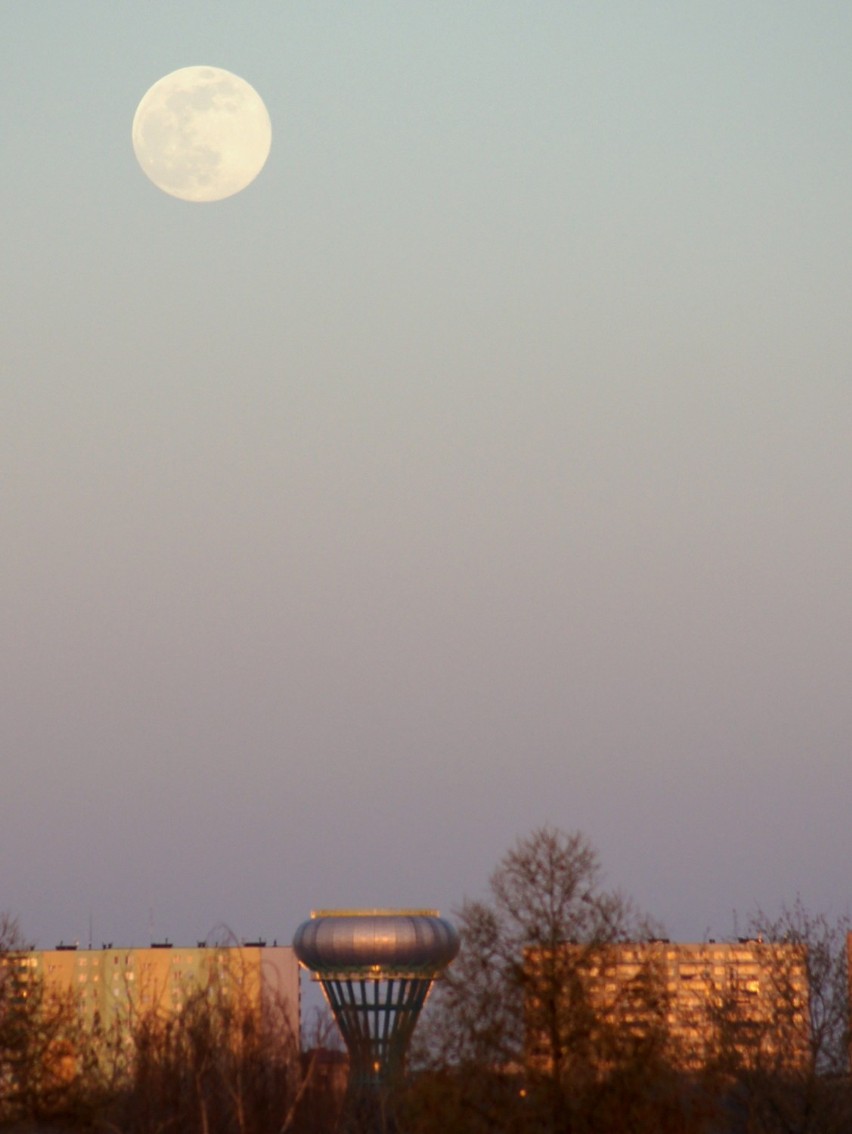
x: 746, y: 999
x: 114, y: 987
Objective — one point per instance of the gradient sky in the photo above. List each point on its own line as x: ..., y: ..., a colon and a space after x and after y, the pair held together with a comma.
x: 485, y: 463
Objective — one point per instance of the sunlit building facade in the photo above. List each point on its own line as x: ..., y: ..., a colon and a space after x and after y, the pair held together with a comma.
x: 708, y: 1002
x: 115, y: 987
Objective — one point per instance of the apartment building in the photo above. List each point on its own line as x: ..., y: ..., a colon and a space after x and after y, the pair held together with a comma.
x: 708, y: 1002
x: 114, y: 987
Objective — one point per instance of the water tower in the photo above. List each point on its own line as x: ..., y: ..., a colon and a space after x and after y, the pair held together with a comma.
x: 376, y: 968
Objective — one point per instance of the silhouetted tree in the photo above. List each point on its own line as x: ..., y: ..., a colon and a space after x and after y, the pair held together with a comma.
x: 218, y: 1065
x: 788, y: 1071
x: 41, y: 1076
x: 523, y: 1034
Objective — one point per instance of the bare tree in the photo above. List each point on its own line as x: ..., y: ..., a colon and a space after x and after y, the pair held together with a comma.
x: 519, y: 1036
x: 222, y: 1064
x: 790, y: 1067
x: 40, y: 1070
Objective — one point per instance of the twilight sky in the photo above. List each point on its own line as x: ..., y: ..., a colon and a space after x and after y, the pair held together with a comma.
x: 485, y: 463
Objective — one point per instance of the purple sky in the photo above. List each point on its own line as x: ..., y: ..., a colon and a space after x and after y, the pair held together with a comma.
x: 485, y: 463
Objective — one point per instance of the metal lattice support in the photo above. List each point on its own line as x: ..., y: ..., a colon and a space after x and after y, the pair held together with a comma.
x: 376, y: 1019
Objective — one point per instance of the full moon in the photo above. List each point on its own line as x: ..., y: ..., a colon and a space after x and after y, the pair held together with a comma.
x: 201, y: 134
